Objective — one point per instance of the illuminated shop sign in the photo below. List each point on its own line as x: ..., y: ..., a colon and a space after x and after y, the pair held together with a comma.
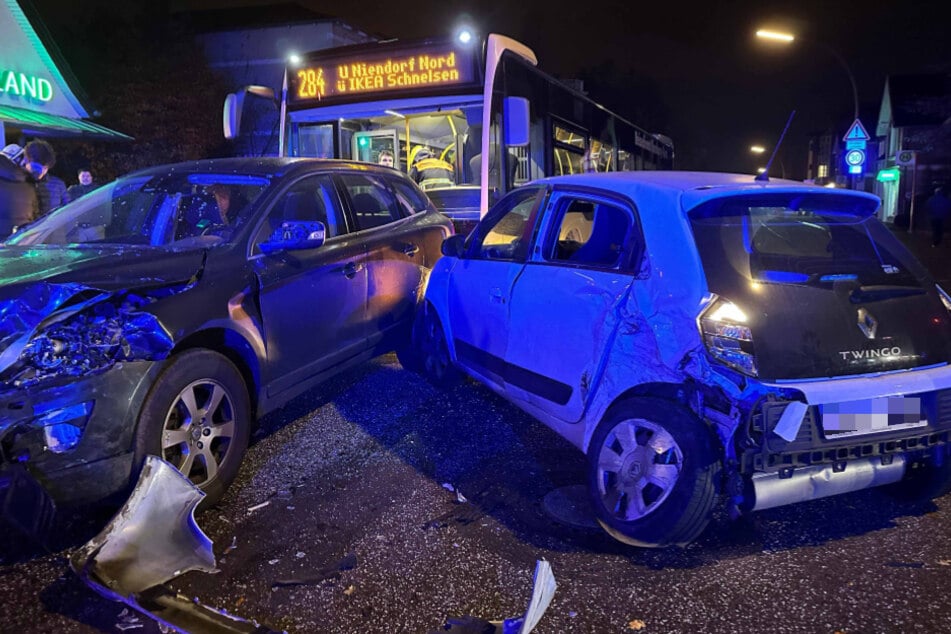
x: 17, y: 84
x: 426, y: 67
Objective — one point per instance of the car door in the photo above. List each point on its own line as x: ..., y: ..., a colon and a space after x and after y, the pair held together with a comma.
x: 481, y: 283
x: 566, y: 304
x: 313, y: 301
x: 394, y: 257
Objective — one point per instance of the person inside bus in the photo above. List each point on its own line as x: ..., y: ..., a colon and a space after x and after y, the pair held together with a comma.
x: 385, y: 158
x: 430, y: 172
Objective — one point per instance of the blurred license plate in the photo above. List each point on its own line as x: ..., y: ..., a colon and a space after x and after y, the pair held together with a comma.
x: 872, y: 416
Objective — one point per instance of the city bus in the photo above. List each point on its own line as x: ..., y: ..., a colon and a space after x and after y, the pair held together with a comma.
x: 437, y: 108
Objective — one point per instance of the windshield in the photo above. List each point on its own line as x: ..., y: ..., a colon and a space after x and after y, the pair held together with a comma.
x: 815, y: 240
x: 167, y: 210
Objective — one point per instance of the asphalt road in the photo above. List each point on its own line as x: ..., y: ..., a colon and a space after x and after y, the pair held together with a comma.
x: 358, y: 513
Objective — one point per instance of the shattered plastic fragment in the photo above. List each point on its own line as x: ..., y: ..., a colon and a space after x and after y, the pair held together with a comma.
x: 258, y: 506
x: 152, y: 540
x: 234, y: 544
x: 636, y: 625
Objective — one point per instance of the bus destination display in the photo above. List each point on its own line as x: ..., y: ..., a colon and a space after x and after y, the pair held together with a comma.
x: 429, y: 67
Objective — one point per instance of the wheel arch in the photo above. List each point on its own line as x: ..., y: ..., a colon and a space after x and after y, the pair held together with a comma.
x: 233, y: 346
x: 676, y: 393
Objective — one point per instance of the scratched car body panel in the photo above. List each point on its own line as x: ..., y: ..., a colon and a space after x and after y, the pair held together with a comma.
x: 691, y: 331
x: 213, y: 290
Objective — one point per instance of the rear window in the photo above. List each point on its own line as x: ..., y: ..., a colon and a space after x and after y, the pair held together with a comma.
x: 814, y: 240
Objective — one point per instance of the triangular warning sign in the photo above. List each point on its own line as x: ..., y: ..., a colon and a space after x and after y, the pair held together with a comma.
x: 856, y: 132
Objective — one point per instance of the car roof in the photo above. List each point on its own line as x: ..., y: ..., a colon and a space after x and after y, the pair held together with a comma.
x: 270, y: 166
x: 693, y: 188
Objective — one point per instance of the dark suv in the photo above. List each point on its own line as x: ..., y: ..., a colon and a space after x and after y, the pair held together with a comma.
x: 161, y: 313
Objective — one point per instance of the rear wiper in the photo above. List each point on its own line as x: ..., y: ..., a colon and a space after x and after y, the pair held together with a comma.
x: 864, y: 294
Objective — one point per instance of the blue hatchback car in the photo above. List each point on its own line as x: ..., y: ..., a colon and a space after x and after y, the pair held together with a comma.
x: 700, y: 336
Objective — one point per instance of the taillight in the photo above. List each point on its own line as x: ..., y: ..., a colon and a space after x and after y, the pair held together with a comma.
x: 727, y: 337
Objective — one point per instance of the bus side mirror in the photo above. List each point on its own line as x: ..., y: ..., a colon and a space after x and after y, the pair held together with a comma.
x: 517, y: 121
x: 234, y: 105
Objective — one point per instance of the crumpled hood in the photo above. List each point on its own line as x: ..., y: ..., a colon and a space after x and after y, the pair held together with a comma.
x: 43, y: 289
x: 108, y: 268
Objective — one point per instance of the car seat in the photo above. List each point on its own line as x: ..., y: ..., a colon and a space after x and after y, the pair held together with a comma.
x: 369, y: 211
x: 607, y: 238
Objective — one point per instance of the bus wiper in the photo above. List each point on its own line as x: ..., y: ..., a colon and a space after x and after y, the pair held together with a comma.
x: 864, y: 294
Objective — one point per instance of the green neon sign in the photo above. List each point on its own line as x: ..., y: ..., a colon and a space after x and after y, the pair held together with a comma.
x: 23, y: 85
x: 889, y: 175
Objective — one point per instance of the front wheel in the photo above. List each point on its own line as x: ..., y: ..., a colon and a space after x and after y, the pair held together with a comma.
x: 431, y: 349
x: 197, y: 417
x: 652, y: 469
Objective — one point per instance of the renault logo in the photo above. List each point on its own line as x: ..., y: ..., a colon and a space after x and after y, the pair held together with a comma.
x: 867, y: 324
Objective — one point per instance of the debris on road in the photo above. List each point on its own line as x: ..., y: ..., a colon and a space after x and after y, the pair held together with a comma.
x: 349, y: 562
x: 232, y: 546
x: 543, y: 590
x: 153, y: 539
x: 636, y: 625
x: 258, y: 506
x: 128, y: 620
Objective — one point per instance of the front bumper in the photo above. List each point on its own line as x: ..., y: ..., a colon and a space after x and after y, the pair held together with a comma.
x: 96, y: 464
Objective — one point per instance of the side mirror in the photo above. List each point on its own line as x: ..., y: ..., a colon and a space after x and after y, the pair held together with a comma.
x: 295, y: 235
x: 454, y: 246
x: 517, y: 121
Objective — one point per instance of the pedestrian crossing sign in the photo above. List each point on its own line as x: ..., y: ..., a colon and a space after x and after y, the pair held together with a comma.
x: 856, y: 132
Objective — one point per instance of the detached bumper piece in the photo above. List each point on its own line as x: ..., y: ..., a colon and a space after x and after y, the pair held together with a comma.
x: 24, y: 503
x: 152, y: 540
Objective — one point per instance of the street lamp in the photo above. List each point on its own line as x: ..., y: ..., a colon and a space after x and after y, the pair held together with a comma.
x: 760, y: 149
x: 788, y: 38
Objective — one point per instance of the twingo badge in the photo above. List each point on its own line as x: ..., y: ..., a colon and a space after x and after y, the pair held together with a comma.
x: 418, y: 69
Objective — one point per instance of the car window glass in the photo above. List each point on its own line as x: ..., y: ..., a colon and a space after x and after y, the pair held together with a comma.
x: 411, y: 200
x: 508, y: 236
x: 311, y: 199
x: 370, y: 201
x: 588, y: 232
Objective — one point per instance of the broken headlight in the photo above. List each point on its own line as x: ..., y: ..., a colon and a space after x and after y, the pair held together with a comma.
x: 727, y: 336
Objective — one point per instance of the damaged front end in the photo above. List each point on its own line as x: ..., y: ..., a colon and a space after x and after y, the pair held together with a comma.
x: 152, y: 540
x: 71, y: 356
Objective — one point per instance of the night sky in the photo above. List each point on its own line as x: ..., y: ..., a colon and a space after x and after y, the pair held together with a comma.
x: 692, y: 70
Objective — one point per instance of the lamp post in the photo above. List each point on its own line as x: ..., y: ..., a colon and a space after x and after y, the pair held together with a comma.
x: 788, y: 38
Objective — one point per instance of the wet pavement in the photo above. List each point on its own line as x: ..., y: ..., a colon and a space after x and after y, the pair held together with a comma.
x: 342, y: 520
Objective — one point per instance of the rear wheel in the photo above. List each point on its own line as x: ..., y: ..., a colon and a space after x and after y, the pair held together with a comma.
x: 197, y: 417
x: 432, y: 358
x: 652, y: 469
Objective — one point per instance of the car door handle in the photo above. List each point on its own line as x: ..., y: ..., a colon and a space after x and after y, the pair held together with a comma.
x: 350, y: 270
x: 496, y: 295
x: 410, y: 249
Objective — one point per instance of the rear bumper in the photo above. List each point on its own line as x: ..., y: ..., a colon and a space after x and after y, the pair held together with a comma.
x: 782, y: 433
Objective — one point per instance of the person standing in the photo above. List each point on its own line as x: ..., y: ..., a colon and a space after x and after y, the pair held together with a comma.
x: 39, y: 158
x: 18, y: 203
x: 938, y: 208
x: 82, y: 188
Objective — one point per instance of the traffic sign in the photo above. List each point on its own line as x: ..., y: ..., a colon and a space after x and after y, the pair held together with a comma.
x: 855, y: 145
x: 905, y: 157
x: 856, y: 133
x: 855, y: 157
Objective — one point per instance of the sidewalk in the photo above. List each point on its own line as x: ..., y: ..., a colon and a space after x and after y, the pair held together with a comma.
x: 936, y: 259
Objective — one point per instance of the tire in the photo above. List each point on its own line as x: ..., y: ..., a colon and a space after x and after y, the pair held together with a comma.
x: 431, y: 350
x: 653, y: 496
x: 922, y: 482
x: 210, y: 453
